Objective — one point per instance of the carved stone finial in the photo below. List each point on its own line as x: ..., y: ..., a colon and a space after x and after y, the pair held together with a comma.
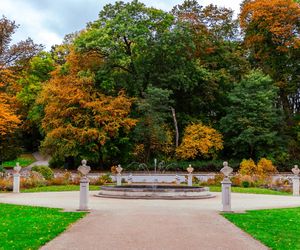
x: 119, y: 169
x: 84, y: 169
x: 17, y: 168
x: 296, y: 170
x: 226, y: 170
x: 190, y: 169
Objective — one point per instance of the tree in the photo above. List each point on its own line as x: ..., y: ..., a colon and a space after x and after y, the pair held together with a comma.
x: 87, y: 119
x: 13, y: 59
x: 124, y: 36
x: 152, y: 135
x: 9, y: 121
x: 216, y: 55
x: 252, y: 121
x: 31, y: 82
x: 199, y: 141
x: 272, y: 37
x: 17, y: 54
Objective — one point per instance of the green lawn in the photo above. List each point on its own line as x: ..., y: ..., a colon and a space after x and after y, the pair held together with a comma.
x: 57, y: 188
x: 24, y: 160
x: 276, y: 228
x: 250, y: 190
x: 25, y: 227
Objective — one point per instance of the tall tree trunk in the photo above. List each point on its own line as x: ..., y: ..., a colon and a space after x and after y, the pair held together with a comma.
x: 176, y: 127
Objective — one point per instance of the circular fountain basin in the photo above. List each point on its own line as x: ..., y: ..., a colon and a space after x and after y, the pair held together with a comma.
x: 167, y: 192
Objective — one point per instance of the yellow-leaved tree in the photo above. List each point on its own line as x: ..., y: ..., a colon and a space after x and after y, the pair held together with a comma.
x: 79, y: 120
x: 9, y: 121
x: 199, y: 141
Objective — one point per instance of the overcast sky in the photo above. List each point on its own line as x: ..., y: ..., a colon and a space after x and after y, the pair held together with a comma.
x: 48, y: 21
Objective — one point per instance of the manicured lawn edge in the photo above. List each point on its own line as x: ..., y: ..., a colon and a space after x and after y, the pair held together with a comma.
x: 58, y: 188
x: 28, y: 227
x: 24, y: 160
x: 276, y: 228
x: 250, y: 190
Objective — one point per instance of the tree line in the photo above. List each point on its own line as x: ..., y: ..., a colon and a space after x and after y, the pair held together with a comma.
x: 192, y: 83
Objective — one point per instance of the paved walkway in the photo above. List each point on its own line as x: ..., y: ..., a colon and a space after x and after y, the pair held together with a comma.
x: 40, y: 161
x: 152, y: 224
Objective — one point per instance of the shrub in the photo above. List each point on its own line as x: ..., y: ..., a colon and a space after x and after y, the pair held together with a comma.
x: 214, y: 181
x: 199, y: 140
x: 245, y: 184
x: 2, y: 170
x: 248, y: 167
x: 6, y: 184
x: 63, y: 179
x: 45, y: 171
x: 35, y: 179
x: 236, y: 180
x: 103, y: 179
x: 113, y: 169
x: 265, y: 167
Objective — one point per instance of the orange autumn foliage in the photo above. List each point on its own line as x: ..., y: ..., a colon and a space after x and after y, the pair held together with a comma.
x: 9, y: 121
x: 271, y: 20
x: 199, y: 140
x: 77, y: 115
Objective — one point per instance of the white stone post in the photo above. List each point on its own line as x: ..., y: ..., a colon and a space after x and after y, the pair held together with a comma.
x: 119, y: 175
x: 177, y: 180
x: 226, y: 188
x: 295, y: 180
x: 84, y: 186
x: 16, y: 176
x: 129, y: 179
x: 190, y: 175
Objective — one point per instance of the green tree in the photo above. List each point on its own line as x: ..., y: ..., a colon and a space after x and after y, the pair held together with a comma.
x: 151, y: 132
x: 124, y: 35
x: 32, y: 81
x: 252, y: 121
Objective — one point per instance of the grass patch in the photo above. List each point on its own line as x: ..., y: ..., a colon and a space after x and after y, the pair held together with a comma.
x: 60, y: 188
x: 250, y: 190
x: 276, y: 228
x: 25, y: 227
x: 24, y: 160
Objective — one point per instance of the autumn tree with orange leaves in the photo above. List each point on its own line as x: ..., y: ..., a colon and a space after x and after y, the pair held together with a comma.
x: 13, y: 58
x: 79, y: 120
x: 272, y: 36
x: 8, y: 119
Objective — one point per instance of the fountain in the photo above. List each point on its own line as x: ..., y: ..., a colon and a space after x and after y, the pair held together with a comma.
x: 154, y: 189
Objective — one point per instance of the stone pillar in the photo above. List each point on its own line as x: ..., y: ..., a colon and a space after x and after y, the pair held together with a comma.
x: 190, y: 175
x: 129, y: 179
x: 295, y: 180
x: 84, y: 186
x: 177, y: 179
x: 119, y: 175
x: 226, y: 188
x: 16, y: 176
x: 226, y: 195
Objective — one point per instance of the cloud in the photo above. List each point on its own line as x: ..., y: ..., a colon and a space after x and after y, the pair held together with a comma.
x: 48, y: 21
